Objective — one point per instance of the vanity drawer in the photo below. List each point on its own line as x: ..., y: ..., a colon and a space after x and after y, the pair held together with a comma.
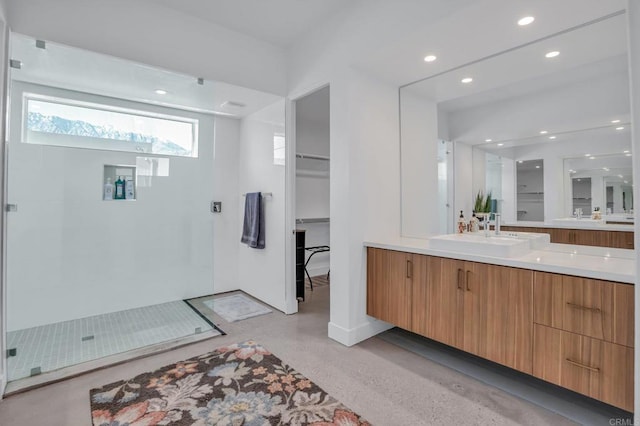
x: 592, y: 367
x: 594, y: 308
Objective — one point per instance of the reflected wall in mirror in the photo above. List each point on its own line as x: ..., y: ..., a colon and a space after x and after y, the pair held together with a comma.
x: 520, y: 108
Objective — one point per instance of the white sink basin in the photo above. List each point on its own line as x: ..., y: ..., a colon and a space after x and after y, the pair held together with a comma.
x: 585, y: 222
x: 537, y: 241
x: 477, y: 243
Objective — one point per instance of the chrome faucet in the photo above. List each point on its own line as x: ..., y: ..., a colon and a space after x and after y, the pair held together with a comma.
x: 497, y: 224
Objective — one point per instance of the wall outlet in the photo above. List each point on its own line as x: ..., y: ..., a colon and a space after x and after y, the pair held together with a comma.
x: 216, y: 207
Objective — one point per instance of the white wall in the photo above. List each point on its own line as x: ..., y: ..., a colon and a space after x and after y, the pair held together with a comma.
x: 419, y: 165
x: 157, y: 36
x: 73, y: 255
x: 261, y: 272
x: 365, y: 173
x: 633, y: 13
x: 4, y: 35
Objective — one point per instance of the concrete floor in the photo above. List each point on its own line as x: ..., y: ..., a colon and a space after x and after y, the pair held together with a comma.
x: 386, y: 384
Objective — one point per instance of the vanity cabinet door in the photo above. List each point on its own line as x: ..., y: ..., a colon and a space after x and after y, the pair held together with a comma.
x: 501, y: 299
x: 438, y: 300
x: 389, y: 286
x: 621, y: 239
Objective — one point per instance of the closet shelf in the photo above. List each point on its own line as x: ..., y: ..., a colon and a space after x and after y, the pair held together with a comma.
x: 312, y: 173
x: 302, y: 155
x: 302, y: 221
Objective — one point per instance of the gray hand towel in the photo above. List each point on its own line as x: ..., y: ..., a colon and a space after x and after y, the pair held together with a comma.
x: 253, y: 228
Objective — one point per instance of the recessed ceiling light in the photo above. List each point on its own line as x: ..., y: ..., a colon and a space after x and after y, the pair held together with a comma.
x: 543, y: 132
x: 520, y: 161
x: 430, y: 58
x: 587, y: 155
x: 552, y: 54
x: 552, y: 137
x: 620, y: 128
x: 526, y: 20
x: 615, y: 121
x: 500, y: 144
x: 592, y: 158
x: 488, y: 140
x: 606, y: 169
x: 625, y: 151
x: 628, y: 155
x: 537, y: 167
x: 466, y: 80
x: 161, y: 92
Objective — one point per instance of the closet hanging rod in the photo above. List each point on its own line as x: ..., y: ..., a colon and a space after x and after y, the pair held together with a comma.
x: 312, y: 156
x: 264, y: 194
x: 313, y: 220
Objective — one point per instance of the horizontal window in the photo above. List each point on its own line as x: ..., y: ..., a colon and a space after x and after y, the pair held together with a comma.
x: 71, y: 123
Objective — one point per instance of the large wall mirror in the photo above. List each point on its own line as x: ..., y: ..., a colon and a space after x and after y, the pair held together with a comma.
x: 525, y: 125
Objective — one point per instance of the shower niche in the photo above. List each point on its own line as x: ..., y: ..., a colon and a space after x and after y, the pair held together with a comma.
x: 119, y: 183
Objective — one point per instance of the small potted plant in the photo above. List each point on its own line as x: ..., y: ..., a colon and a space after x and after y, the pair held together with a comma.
x: 482, y: 206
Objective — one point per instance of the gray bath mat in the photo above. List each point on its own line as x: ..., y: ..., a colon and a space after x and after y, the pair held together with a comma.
x: 236, y: 307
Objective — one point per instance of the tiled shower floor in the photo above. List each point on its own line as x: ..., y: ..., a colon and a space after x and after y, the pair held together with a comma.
x: 58, y: 345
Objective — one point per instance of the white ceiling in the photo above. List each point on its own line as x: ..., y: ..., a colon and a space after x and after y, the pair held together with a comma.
x: 279, y: 22
x: 84, y: 71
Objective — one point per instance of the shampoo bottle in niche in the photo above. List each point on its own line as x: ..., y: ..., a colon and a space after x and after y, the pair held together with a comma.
x: 461, y: 223
x: 108, y: 190
x: 128, y: 189
x: 119, y: 189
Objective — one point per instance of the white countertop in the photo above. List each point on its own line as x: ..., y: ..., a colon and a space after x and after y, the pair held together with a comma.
x: 583, y: 261
x: 572, y: 225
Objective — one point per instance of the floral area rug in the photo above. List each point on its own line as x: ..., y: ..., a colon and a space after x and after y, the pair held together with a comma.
x: 237, y: 385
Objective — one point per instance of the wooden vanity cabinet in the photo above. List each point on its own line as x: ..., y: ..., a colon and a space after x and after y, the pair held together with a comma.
x: 389, y: 286
x: 584, y: 336
x: 482, y: 309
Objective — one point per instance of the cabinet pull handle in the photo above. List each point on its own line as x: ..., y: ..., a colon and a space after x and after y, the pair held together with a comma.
x: 409, y: 269
x: 577, y: 364
x: 583, y: 308
x: 460, y: 271
x: 467, y: 280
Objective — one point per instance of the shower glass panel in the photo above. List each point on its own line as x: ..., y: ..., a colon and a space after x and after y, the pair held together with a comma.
x: 109, y: 186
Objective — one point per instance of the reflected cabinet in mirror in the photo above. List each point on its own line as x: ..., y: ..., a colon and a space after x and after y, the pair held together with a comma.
x: 548, y: 136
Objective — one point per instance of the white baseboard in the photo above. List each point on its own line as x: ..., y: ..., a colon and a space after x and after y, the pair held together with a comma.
x: 350, y: 337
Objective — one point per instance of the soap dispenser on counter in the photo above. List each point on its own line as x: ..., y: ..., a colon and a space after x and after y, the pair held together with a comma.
x: 461, y: 223
x: 474, y: 223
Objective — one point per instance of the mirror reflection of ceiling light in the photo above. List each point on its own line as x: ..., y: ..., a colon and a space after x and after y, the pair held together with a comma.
x: 620, y: 128
x: 626, y: 151
x: 606, y: 169
x: 626, y: 181
x: 552, y: 54
x: 543, y: 132
x: 466, y: 80
x: 537, y: 167
x: 520, y: 161
x: 552, y: 137
x: 587, y: 155
x: 430, y: 58
x: 620, y: 176
x: 488, y: 140
x: 500, y: 144
x: 161, y: 92
x: 615, y: 121
x: 526, y: 20
x: 592, y: 158
x: 628, y: 155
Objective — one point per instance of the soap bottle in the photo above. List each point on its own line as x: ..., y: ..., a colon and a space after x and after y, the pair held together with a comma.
x: 119, y: 189
x: 108, y: 190
x: 461, y: 223
x: 475, y: 225
x: 128, y: 189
